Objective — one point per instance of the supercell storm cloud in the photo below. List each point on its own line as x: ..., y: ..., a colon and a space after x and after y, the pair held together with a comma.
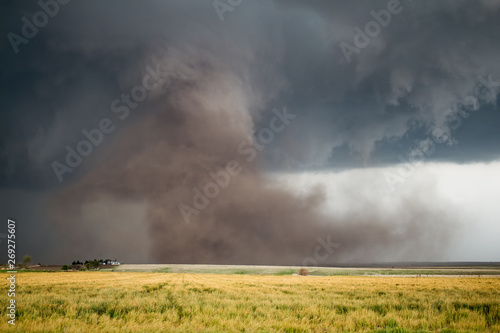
x: 252, y: 132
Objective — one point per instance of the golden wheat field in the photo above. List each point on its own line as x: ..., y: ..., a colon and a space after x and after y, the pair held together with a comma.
x: 172, y: 302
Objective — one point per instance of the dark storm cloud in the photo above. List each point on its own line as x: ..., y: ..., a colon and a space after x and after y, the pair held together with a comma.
x: 427, y: 58
x: 224, y: 78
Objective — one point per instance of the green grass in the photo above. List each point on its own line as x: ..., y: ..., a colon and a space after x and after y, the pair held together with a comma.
x: 286, y: 272
x: 315, y: 271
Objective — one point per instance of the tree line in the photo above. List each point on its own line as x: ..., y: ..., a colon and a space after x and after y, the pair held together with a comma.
x: 89, y: 264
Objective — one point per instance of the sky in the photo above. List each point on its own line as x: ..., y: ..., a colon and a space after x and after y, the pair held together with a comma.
x: 251, y: 132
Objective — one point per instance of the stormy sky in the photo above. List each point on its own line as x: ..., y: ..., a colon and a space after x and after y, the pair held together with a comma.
x: 251, y: 132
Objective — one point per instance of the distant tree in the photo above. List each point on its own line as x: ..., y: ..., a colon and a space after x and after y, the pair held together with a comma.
x: 65, y: 267
x: 88, y: 265
x: 95, y: 263
x: 26, y: 261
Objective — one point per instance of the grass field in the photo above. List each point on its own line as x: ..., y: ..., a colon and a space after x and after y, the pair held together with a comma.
x: 177, y: 302
x: 455, y: 270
